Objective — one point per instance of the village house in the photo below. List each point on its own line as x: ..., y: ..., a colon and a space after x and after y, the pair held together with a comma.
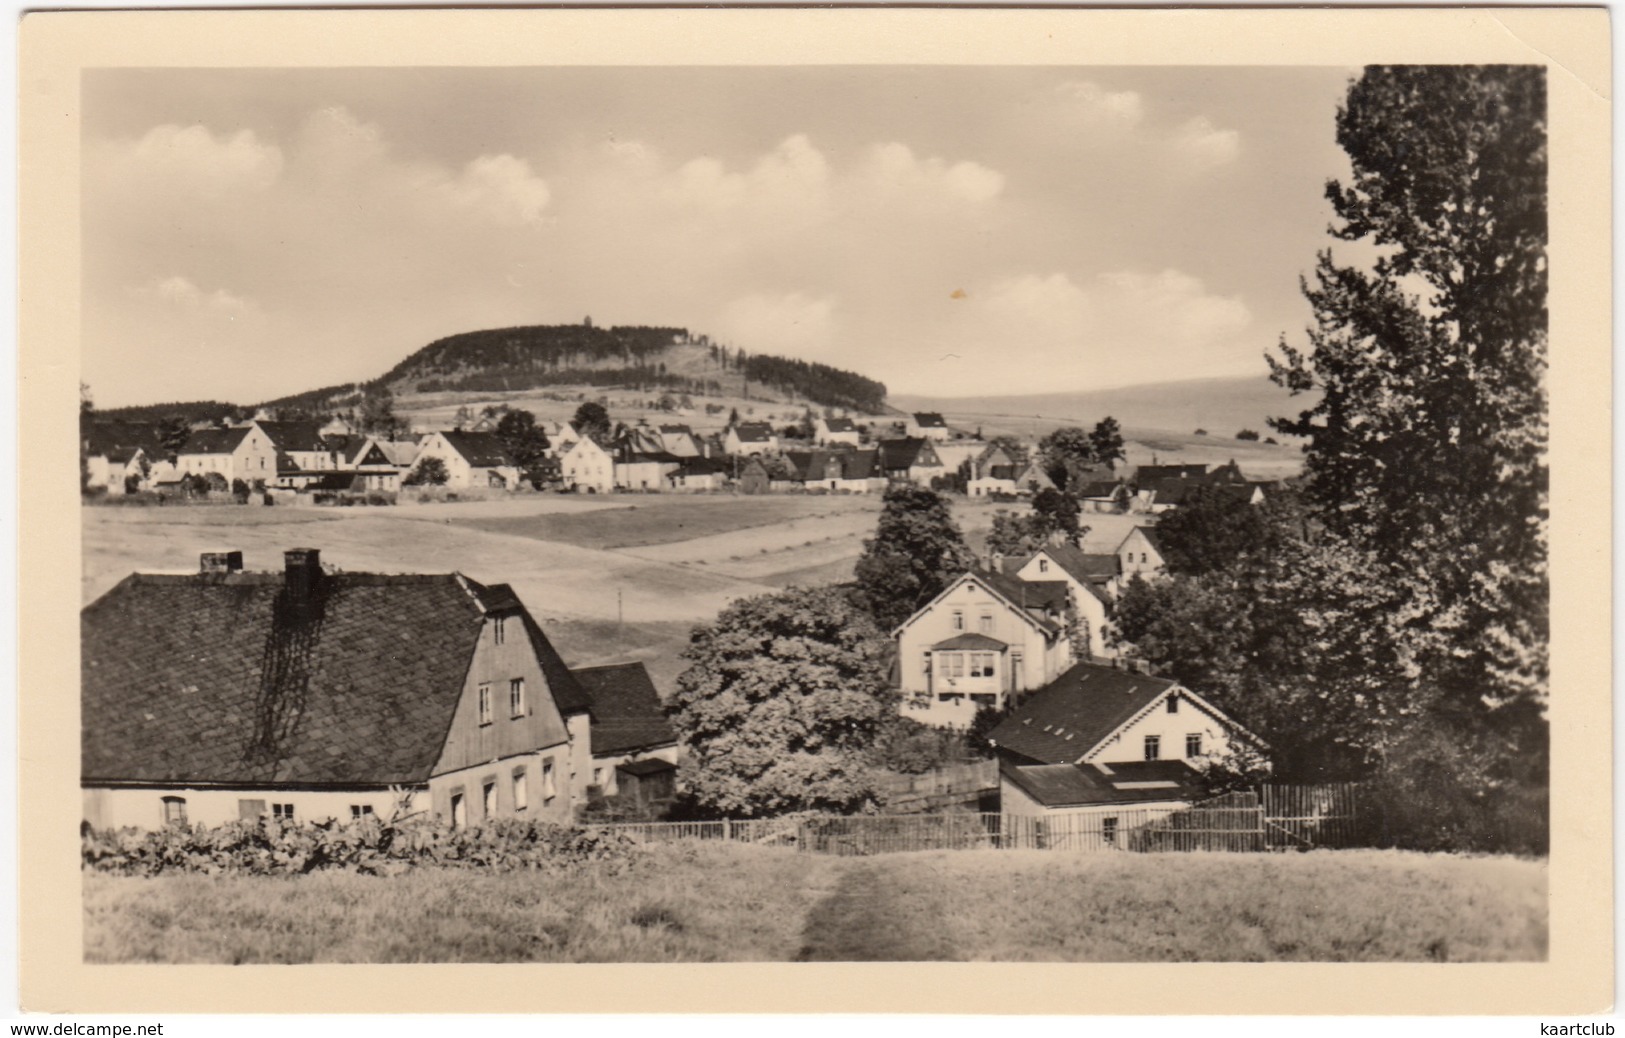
x: 313, y: 693
x: 985, y: 637
x: 362, y: 459
x: 472, y: 459
x: 679, y: 440
x: 829, y: 431
x: 699, y: 474
x: 1104, y: 496
x: 754, y: 478
x: 1032, y: 479
x: 119, y: 455
x: 1089, y: 579
x: 750, y: 438
x: 243, y: 453
x: 993, y: 471
x: 587, y: 468
x: 926, y: 425
x: 1104, y: 738
x: 629, y: 731
x: 1140, y: 553
x: 303, y: 455
x: 910, y: 461
x: 644, y: 471
x: 561, y: 436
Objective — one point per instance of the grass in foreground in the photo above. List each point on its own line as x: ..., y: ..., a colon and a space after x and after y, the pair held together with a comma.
x: 1327, y: 906
x: 706, y: 903
x: 686, y: 903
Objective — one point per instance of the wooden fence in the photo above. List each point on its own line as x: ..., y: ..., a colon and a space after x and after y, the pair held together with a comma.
x: 1275, y: 818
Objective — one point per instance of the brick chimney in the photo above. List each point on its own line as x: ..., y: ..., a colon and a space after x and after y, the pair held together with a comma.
x: 302, y: 574
x: 220, y: 562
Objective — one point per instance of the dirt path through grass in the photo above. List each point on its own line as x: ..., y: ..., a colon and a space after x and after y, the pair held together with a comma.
x: 865, y: 919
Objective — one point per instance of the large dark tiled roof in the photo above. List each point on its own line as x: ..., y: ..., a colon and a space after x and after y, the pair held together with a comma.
x: 1084, y: 785
x: 626, y: 710
x: 220, y: 679
x: 214, y: 441
x: 480, y: 449
x: 1071, y: 715
x: 295, y: 436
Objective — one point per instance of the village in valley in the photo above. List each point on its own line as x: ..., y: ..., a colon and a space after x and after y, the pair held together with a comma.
x: 675, y: 646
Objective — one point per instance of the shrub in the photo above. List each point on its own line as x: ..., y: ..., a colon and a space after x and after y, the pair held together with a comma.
x: 1247, y: 434
x: 370, y: 846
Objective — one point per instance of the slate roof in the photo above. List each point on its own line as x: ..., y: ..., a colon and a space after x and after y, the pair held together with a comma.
x: 482, y: 450
x: 1100, y: 489
x: 840, y: 425
x: 213, y: 441
x: 1172, y: 490
x: 1148, y: 473
x: 348, y: 447
x: 903, y: 453
x: 698, y: 466
x: 1030, y: 597
x: 754, y: 432
x: 626, y: 711
x: 295, y: 436
x: 120, y: 440
x: 973, y: 641
x: 646, y: 767
x: 1089, y: 569
x: 1075, y: 785
x: 861, y: 464
x: 930, y: 420
x: 213, y: 679
x: 647, y: 458
x: 1067, y: 718
x: 400, y: 453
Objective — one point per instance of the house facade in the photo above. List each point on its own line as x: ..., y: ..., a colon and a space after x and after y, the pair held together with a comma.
x: 748, y: 438
x: 1140, y: 553
x: 910, y: 460
x: 679, y: 440
x: 310, y: 694
x: 926, y: 425
x: 985, y: 637
x: 828, y: 431
x: 587, y: 468
x: 1104, y: 737
x: 244, y: 453
x: 645, y: 471
x: 1090, y: 599
x: 472, y: 459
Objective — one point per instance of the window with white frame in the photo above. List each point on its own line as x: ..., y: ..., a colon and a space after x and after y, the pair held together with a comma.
x: 282, y: 812
x: 959, y: 619
x: 516, y: 697
x: 499, y: 629
x: 1153, y: 747
x: 485, y: 704
x: 549, y: 791
x: 1193, y: 744
x: 360, y: 811
x: 488, y: 799
x: 521, y: 795
x: 1043, y: 565
x: 985, y: 623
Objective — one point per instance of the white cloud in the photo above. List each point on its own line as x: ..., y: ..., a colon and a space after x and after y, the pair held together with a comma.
x: 501, y: 187
x: 192, y: 160
x: 1205, y: 143
x: 181, y: 293
x: 1090, y: 103
x: 893, y: 171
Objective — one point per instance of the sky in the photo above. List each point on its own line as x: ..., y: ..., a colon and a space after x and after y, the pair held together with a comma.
x: 948, y: 230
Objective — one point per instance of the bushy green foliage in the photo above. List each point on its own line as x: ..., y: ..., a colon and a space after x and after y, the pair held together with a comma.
x: 916, y: 551
x: 273, y: 847
x: 781, y: 704
x: 429, y: 472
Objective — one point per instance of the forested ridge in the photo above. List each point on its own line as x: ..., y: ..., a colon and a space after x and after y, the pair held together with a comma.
x: 540, y: 356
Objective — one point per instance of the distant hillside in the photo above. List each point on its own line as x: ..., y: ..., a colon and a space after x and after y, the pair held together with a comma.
x: 506, y: 360
x: 1222, y: 406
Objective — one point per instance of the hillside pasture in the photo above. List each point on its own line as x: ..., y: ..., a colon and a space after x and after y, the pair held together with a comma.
x: 729, y: 902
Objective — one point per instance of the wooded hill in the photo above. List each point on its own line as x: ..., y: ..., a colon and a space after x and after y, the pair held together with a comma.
x: 541, y: 356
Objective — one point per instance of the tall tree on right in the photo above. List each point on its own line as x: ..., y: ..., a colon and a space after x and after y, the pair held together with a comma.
x: 1427, y: 445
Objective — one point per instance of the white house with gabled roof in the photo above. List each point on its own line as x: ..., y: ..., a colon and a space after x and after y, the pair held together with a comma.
x: 588, y: 468
x: 986, y: 636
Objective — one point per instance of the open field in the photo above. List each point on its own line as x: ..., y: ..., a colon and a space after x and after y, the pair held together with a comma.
x: 701, y: 903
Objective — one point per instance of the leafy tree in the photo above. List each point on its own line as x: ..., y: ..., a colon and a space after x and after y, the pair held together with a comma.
x: 1065, y: 452
x: 172, y: 434
x: 1057, y: 513
x: 917, y: 549
x: 781, y: 704
x: 1013, y: 447
x: 525, y: 443
x: 428, y: 472
x: 464, y: 417
x: 1106, y: 442
x: 1449, y: 174
x: 592, y: 421
x: 1015, y: 536
x: 1248, y: 434
x: 1211, y: 530
x: 378, y: 412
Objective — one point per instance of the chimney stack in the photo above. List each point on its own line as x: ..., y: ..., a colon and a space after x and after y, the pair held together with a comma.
x: 220, y: 562
x: 302, y: 572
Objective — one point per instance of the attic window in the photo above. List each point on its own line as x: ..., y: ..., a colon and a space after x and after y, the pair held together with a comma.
x: 485, y: 704
x: 498, y: 630
x: 516, y: 697
x: 1043, y: 565
x: 1173, y: 704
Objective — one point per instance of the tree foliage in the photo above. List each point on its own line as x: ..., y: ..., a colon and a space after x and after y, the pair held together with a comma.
x: 917, y: 549
x: 592, y: 421
x: 525, y: 443
x: 1106, y: 442
x: 428, y: 472
x: 781, y: 704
